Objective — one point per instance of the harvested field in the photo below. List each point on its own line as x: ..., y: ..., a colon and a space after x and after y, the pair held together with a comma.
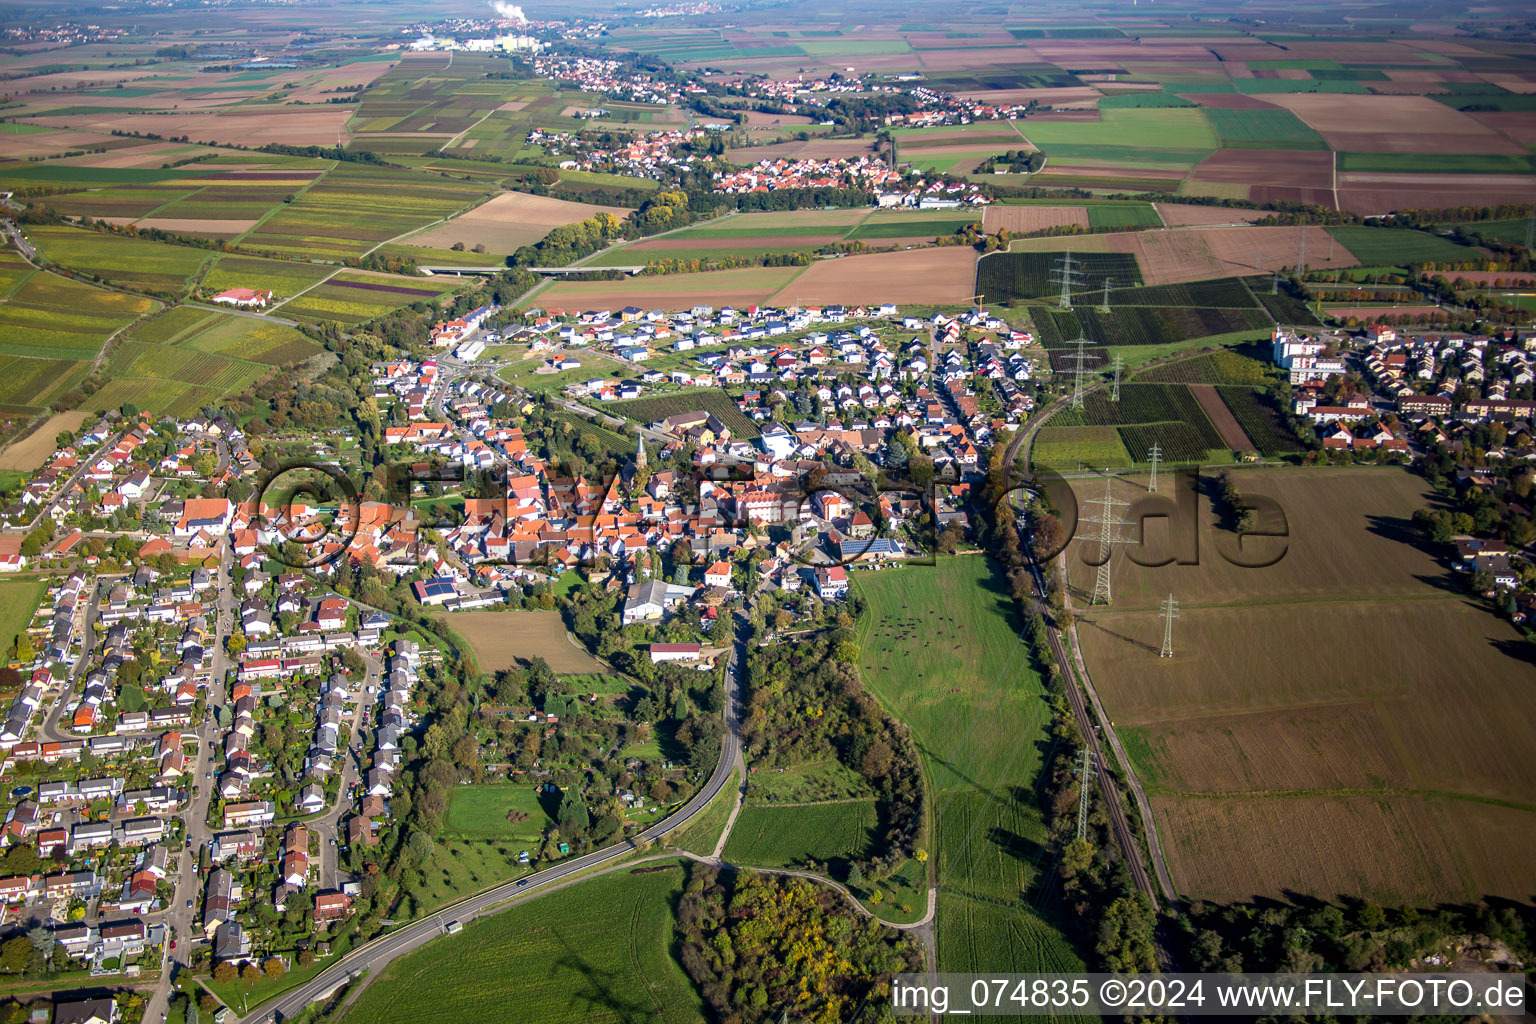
x: 30, y: 452
x: 498, y: 639
x: 1236, y: 248
x: 1227, y: 100
x: 821, y: 149
x: 297, y: 126
x: 676, y: 291
x: 1221, y: 417
x: 1286, y: 167
x: 1382, y: 781
x: 197, y: 226
x: 1179, y: 215
x: 1379, y: 193
x: 1021, y: 219
x: 1519, y: 125
x: 509, y: 220
x: 1372, y: 312
x: 1393, y: 124
x: 938, y: 276
x: 761, y: 119
x: 674, y: 244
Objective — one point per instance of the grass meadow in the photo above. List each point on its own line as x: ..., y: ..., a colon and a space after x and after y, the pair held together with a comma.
x: 832, y: 833
x: 599, y: 952
x: 941, y: 648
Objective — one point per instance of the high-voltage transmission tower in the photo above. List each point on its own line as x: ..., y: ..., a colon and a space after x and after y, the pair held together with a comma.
x: 1530, y: 232
x: 1068, y: 275
x: 1110, y: 533
x: 1114, y: 389
x: 1085, y: 773
x: 1169, y: 610
x: 1154, y: 456
x: 1079, y: 360
x: 1104, y: 304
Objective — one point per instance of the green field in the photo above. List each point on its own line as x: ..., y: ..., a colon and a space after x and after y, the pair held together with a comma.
x: 1386, y: 247
x: 1070, y: 447
x: 913, y: 226
x: 1263, y: 129
x: 1438, y: 163
x: 962, y: 681
x: 480, y: 811
x: 779, y: 837
x: 599, y: 952
x: 1001, y: 276
x: 1147, y: 414
x: 1107, y: 217
x: 18, y: 600
x: 281, y: 277
x: 1130, y: 128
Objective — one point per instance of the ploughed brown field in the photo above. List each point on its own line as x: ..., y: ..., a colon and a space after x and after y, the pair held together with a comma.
x: 306, y: 126
x: 510, y: 220
x: 1020, y: 219
x: 820, y: 149
x: 1178, y: 215
x: 1393, y: 124
x: 1345, y: 720
x: 30, y: 452
x: 500, y: 638
x: 942, y: 275
x: 1177, y: 255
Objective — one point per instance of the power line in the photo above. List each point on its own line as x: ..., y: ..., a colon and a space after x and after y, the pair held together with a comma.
x: 1169, y: 610
x: 1079, y: 360
x: 1154, y: 456
x: 1104, y: 305
x: 1110, y: 521
x: 1068, y: 276
x: 1085, y: 772
x: 1114, y: 390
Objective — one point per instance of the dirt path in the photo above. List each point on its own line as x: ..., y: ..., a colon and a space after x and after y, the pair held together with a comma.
x: 1221, y: 417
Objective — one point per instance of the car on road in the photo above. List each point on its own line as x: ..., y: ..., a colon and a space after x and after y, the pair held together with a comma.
x: 522, y: 882
x: 189, y: 903
x: 173, y: 943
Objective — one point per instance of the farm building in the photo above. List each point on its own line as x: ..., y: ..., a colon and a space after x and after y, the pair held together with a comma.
x: 244, y: 298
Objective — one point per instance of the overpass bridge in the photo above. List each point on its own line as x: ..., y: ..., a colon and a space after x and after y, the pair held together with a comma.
x: 547, y: 271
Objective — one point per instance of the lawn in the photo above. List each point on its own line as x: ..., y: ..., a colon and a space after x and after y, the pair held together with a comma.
x: 1399, y: 246
x: 832, y: 833
x: 480, y: 811
x: 941, y: 649
x: 18, y: 600
x: 599, y: 952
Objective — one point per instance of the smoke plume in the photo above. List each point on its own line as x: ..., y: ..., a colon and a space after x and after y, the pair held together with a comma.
x: 512, y: 12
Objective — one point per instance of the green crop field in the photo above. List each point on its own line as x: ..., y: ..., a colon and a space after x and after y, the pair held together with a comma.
x: 1133, y: 128
x: 599, y: 952
x: 120, y: 259
x: 1147, y: 414
x: 916, y: 226
x: 1257, y: 413
x: 725, y: 409
x: 1438, y: 163
x: 1386, y: 247
x: 1263, y: 129
x: 172, y: 324
x: 480, y: 811
x: 780, y: 837
x: 1221, y: 292
x: 280, y: 277
x: 1029, y: 275
x: 1106, y: 217
x: 1227, y: 367
x: 941, y: 649
x: 1145, y: 325
x: 1069, y: 447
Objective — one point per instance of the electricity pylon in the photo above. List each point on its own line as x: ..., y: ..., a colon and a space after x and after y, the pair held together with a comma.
x: 1154, y: 456
x: 1110, y: 522
x: 1170, y: 611
x: 1085, y: 773
x: 1114, y: 389
x: 1067, y: 275
x: 1079, y: 359
x: 1104, y: 304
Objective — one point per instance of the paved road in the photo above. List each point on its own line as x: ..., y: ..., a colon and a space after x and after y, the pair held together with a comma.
x: 19, y: 240
x: 377, y: 954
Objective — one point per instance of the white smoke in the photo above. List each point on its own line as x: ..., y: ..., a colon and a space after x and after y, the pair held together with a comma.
x: 512, y: 12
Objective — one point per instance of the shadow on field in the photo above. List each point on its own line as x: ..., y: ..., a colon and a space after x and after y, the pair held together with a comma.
x: 1521, y: 650
x: 602, y: 990
x: 1118, y: 636
x: 1395, y: 528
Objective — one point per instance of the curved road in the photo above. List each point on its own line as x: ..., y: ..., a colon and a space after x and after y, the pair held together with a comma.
x: 381, y: 951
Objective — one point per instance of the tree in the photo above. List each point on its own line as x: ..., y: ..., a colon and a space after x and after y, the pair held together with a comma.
x: 1076, y: 857
x: 250, y: 973
x: 855, y: 875
x: 274, y: 967
x: 573, y: 810
x: 15, y: 954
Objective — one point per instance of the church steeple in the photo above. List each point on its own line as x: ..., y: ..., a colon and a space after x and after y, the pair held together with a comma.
x: 640, y: 454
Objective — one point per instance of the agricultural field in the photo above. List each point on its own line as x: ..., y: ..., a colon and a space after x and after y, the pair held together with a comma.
x: 1270, y: 128
x: 28, y: 454
x: 1246, y: 365
x: 1164, y: 414
x: 498, y: 639
x: 51, y: 327
x: 648, y: 410
x: 833, y: 833
x: 1001, y: 276
x: 1386, y: 247
x: 357, y: 296
x: 283, y: 278
x: 939, y: 276
x: 942, y: 651
x: 1257, y: 412
x: 119, y: 259
x: 1070, y: 447
x: 506, y: 222
x: 675, y: 291
x: 18, y: 600
x: 596, y: 953
x: 481, y: 811
x: 1264, y: 761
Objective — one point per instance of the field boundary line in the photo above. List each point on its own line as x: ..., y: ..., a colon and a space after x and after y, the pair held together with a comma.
x: 817, y: 803
x: 240, y: 238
